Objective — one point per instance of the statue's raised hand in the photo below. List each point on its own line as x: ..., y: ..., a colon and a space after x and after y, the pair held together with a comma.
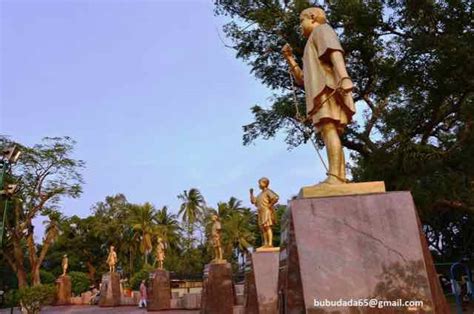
x: 287, y: 51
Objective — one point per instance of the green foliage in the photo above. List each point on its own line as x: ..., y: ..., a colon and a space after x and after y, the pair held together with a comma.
x: 411, y: 63
x: 12, y: 298
x: 79, y: 281
x: 32, y: 298
x: 143, y: 274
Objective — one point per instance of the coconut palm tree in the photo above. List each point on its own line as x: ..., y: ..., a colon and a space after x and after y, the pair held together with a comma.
x: 143, y: 225
x: 191, y: 211
x: 237, y: 234
x: 168, y: 227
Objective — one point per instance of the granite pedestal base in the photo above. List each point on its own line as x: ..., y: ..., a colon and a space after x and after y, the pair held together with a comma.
x: 218, y: 291
x: 356, y: 247
x: 261, y: 296
x: 110, y: 290
x: 160, y: 292
x: 63, y: 284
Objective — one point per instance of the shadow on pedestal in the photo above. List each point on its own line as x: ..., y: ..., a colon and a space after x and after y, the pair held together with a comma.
x: 160, y: 292
x: 261, y: 295
x: 63, y: 284
x: 352, y: 248
x: 110, y: 290
x: 218, y: 290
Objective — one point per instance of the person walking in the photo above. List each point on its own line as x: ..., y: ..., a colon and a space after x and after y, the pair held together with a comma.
x: 143, y: 295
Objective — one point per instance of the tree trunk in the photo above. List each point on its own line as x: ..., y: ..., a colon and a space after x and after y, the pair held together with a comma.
x: 91, y: 270
x: 35, y: 275
x: 19, y: 267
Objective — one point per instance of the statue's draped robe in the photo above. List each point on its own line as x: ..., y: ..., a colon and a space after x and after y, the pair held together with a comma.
x: 215, y: 234
x: 264, y: 201
x: 320, y: 79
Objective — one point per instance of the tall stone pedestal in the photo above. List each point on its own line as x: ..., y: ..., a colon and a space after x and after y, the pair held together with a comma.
x: 159, y: 297
x: 110, y: 290
x: 356, y: 247
x: 261, y: 295
x: 218, y: 291
x: 63, y: 284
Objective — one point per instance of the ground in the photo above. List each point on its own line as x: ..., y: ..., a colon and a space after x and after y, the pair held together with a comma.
x: 84, y: 309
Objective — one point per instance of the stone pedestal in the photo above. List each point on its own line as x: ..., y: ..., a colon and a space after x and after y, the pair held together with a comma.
x: 356, y: 247
x: 63, y: 284
x: 218, y: 292
x: 261, y: 296
x: 110, y: 290
x: 160, y: 291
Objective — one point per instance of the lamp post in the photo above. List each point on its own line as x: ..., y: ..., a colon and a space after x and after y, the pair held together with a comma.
x: 9, y: 157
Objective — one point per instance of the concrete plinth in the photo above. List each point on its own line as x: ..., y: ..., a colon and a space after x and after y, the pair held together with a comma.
x: 354, y: 248
x: 160, y: 292
x: 218, y: 292
x: 261, y: 295
x: 63, y: 284
x: 110, y: 290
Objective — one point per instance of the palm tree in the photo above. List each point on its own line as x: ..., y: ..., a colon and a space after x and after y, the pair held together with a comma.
x: 191, y: 210
x: 237, y: 235
x: 168, y: 227
x: 225, y: 209
x: 143, y: 225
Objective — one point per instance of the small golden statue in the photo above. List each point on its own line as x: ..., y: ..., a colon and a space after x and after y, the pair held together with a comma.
x: 216, y: 240
x: 328, y: 87
x: 65, y: 264
x: 160, y: 253
x: 112, y: 259
x: 266, y: 213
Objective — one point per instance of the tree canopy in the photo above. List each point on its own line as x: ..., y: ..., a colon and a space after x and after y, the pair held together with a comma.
x: 411, y: 63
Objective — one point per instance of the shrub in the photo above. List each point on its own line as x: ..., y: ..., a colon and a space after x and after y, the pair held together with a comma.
x: 46, y: 277
x: 32, y: 298
x: 79, y: 282
x: 11, y: 298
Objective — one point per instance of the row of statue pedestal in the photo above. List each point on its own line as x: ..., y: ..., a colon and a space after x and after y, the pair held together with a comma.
x: 334, y: 248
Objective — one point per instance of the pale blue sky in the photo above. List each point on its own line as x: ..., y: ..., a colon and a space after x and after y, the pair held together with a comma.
x: 154, y: 99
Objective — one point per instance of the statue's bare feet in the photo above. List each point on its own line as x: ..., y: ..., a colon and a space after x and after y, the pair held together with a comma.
x: 331, y: 180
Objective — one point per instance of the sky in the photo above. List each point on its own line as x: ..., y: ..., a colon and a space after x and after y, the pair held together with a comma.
x: 152, y: 96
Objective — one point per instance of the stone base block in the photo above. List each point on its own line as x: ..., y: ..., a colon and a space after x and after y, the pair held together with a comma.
x: 218, y: 292
x: 160, y: 292
x: 356, y: 247
x: 262, y: 283
x: 110, y: 290
x: 63, y: 284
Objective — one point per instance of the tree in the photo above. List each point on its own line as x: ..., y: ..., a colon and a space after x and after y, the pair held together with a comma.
x: 45, y: 174
x: 142, y: 221
x: 191, y: 211
x: 411, y: 63
x: 168, y: 227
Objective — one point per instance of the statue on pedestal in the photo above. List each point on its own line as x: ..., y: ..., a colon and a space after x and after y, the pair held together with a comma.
x: 112, y: 259
x: 65, y: 264
x: 216, y: 240
x: 328, y: 87
x: 160, y: 253
x: 266, y: 213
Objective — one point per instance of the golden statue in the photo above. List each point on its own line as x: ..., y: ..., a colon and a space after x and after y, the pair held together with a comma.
x: 65, y: 264
x: 328, y: 87
x: 160, y: 253
x: 216, y: 240
x: 112, y: 259
x: 266, y: 213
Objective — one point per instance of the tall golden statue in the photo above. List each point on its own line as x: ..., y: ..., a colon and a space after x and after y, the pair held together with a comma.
x: 328, y: 87
x: 65, y: 264
x: 266, y: 213
x: 160, y: 253
x: 112, y: 259
x: 216, y: 240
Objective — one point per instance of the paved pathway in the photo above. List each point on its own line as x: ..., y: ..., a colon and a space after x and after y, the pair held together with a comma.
x: 85, y: 309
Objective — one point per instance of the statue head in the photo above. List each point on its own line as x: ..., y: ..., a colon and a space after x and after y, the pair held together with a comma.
x: 214, y: 217
x: 65, y: 255
x: 310, y: 18
x: 111, y: 248
x: 160, y: 239
x: 263, y: 183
